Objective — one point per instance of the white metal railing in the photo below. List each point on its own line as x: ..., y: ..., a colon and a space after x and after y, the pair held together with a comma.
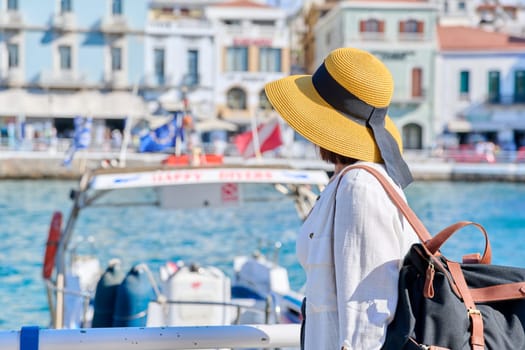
x: 154, y: 338
x: 64, y: 21
x: 11, y: 19
x: 114, y: 24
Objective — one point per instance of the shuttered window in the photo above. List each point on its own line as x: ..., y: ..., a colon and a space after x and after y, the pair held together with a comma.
x: 372, y: 26
x: 417, y: 77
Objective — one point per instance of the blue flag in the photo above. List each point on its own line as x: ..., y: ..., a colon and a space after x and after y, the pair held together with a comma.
x: 81, y: 138
x: 163, y: 137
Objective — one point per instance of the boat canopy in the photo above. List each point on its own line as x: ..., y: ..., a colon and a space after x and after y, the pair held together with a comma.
x: 115, y: 179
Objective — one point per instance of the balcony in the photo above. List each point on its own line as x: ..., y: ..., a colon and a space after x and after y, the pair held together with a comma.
x: 157, y: 81
x: 11, y: 20
x: 63, y: 21
x: 114, y: 24
x: 66, y: 79
x: 116, y: 79
x: 372, y: 36
x: 497, y: 99
x: 410, y: 36
x: 14, y: 77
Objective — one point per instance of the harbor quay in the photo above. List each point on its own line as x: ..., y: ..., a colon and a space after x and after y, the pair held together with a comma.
x: 424, y: 167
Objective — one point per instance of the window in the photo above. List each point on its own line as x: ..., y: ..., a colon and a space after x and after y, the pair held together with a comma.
x: 464, y: 83
x: 417, y: 77
x: 372, y: 26
x: 372, y: 29
x: 461, y: 6
x: 116, y: 7
x: 411, y: 26
x: 66, y: 6
x: 494, y: 82
x: 519, y: 86
x: 264, y: 103
x: 12, y: 5
x: 269, y: 59
x: 232, y: 22
x: 65, y: 57
x: 237, y: 59
x: 159, y: 57
x: 12, y: 55
x: 193, y: 68
x: 412, y: 136
x: 263, y: 23
x: 236, y: 99
x: 116, y: 58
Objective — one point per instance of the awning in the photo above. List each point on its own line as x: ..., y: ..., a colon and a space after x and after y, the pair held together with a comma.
x: 215, y: 124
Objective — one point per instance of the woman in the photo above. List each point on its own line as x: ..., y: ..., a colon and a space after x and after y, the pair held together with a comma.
x: 352, y: 243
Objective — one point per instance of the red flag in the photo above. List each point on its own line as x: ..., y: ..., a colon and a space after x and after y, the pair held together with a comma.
x: 269, y: 135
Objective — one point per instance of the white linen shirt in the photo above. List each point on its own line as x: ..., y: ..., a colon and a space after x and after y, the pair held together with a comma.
x: 351, y: 247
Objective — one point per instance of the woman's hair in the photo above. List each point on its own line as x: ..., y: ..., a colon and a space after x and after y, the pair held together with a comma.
x: 334, y: 158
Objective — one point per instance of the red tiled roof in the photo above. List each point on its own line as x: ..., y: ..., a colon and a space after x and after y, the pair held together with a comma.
x: 486, y: 7
x: 456, y: 38
x: 242, y: 3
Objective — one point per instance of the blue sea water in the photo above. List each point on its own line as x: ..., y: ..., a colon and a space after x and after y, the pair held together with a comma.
x: 215, y: 237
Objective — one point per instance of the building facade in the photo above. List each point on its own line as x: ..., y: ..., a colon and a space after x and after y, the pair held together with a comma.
x: 252, y: 48
x: 216, y: 55
x: 179, y: 62
x: 60, y: 59
x: 403, y: 35
x: 480, y: 86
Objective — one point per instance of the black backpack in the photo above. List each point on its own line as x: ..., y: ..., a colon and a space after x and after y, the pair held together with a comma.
x: 445, y: 304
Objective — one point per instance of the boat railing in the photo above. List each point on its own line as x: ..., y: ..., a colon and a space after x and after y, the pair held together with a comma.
x: 86, y: 299
x: 154, y: 338
x: 239, y: 304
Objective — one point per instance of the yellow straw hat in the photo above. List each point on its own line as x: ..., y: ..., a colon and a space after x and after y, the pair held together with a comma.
x: 342, y: 108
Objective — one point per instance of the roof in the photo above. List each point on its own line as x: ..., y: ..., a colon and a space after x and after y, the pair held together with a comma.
x: 459, y: 38
x: 242, y: 3
x: 492, y: 7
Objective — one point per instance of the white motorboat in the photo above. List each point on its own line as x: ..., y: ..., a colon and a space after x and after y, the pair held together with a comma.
x: 82, y: 293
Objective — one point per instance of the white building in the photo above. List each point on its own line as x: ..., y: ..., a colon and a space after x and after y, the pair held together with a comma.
x: 179, y: 53
x: 480, y: 86
x: 218, y: 55
x: 252, y: 48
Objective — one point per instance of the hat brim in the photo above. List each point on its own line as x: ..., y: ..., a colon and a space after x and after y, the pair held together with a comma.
x: 299, y: 104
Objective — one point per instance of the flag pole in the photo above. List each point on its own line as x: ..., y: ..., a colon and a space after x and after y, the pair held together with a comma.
x: 180, y: 120
x: 127, y: 132
x: 125, y: 141
x: 255, y: 137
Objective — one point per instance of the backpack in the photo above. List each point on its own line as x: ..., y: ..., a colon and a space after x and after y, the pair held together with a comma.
x: 445, y: 304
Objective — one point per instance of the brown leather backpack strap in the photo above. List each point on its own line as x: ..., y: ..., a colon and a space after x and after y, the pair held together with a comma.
x: 476, y: 320
x: 402, y: 205
x: 439, y: 239
x: 499, y: 292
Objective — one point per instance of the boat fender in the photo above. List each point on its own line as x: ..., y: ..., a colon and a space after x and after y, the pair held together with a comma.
x: 133, y: 297
x: 106, y: 294
x: 53, y: 239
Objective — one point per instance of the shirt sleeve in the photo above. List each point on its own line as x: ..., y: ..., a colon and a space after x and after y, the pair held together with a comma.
x: 366, y: 257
